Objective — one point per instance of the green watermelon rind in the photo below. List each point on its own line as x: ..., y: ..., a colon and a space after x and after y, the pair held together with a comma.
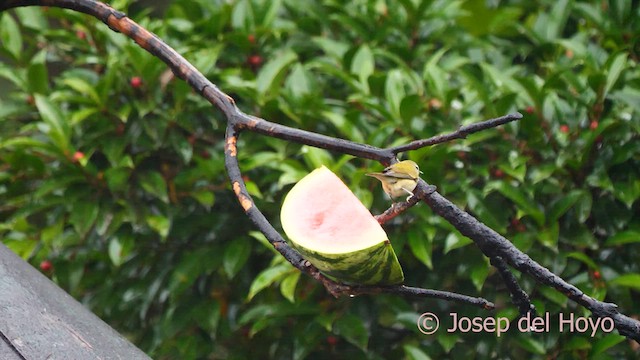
x: 376, y: 265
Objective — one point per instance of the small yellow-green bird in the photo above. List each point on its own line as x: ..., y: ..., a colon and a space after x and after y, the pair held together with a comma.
x: 399, y: 179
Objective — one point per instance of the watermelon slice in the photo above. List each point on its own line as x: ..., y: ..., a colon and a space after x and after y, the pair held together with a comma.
x: 332, y: 229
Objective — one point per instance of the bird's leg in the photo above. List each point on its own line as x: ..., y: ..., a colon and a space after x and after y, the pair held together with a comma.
x: 408, y: 192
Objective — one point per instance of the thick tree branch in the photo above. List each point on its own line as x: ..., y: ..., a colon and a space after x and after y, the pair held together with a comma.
x: 493, y: 244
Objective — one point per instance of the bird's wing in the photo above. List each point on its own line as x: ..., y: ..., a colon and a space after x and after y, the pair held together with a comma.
x: 390, y: 173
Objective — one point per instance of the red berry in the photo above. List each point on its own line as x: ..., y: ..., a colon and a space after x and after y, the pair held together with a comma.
x: 498, y: 173
x: 564, y: 128
x: 594, y: 125
x: 597, y: 275
x: 251, y: 38
x: 135, y: 82
x: 81, y: 35
x: 78, y: 155
x: 530, y: 109
x: 46, y: 265
x: 120, y: 129
x: 332, y: 340
x: 434, y: 104
x: 255, y: 60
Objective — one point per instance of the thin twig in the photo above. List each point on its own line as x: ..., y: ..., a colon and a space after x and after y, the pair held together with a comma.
x: 518, y: 296
x: 398, y: 208
x: 461, y: 133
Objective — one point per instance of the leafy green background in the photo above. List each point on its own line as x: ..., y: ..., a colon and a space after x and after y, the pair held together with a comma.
x: 120, y: 187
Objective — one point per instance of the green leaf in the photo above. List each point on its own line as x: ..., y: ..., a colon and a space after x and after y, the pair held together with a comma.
x: 331, y: 47
x: 51, y: 233
x: 159, y: 224
x: 243, y: 16
x: 395, y: 91
x: 577, y: 343
x: 531, y: 345
x: 352, y: 328
x: 37, y: 74
x: 153, y: 183
x: 420, y: 247
x: 58, y: 128
x: 208, y: 315
x: 583, y: 206
x: 267, y: 80
x: 615, y: 69
x: 561, y: 206
x: 435, y: 76
x: 83, y: 215
x: 191, y: 265
x: 414, y: 353
x: 363, y: 65
x: 624, y: 237
x: 268, y: 277
x: 116, y: 251
x: 32, y: 18
x: 205, y: 197
x: 84, y: 88
x: 628, y: 280
x: 607, y: 342
x: 411, y: 107
x: 480, y: 209
x: 82, y: 114
x: 583, y: 258
x: 271, y: 13
x: 316, y: 157
x: 524, y: 203
x: 17, y: 78
x: 479, y: 273
x: 628, y: 192
x: 236, y: 255
x: 253, y: 189
x: 299, y: 82
x: 548, y: 236
x: 60, y: 182
x: 117, y: 178
x: 10, y: 35
x: 288, y: 286
x: 554, y: 296
x: 454, y: 240
x: 447, y: 340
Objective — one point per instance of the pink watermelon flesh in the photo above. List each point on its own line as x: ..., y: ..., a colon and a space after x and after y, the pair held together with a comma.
x: 322, y: 214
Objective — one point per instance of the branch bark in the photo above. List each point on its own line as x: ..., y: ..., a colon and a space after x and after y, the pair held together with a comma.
x: 490, y: 242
